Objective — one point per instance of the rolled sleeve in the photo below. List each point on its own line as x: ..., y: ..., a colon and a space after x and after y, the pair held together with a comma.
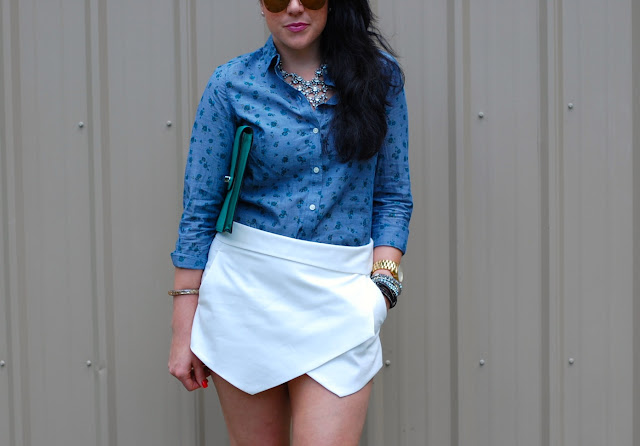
x: 207, y: 163
x: 392, y: 200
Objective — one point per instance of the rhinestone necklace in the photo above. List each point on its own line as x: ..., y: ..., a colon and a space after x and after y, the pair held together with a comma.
x: 314, y: 90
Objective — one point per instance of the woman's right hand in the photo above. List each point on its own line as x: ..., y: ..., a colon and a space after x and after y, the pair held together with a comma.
x: 186, y: 366
x: 183, y: 364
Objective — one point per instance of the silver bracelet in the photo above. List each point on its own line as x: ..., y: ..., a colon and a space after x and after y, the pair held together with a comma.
x: 395, y: 286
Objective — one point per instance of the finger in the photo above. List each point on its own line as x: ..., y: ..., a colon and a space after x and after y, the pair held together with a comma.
x: 199, y: 374
x: 188, y: 381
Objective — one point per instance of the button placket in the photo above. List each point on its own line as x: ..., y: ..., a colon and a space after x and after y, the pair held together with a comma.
x: 316, y: 163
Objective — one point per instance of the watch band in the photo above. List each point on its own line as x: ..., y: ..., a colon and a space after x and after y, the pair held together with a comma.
x: 387, y: 264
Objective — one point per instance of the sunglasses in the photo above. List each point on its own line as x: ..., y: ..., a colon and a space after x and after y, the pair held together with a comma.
x: 281, y: 5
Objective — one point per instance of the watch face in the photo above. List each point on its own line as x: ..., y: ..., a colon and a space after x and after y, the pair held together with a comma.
x: 400, y: 273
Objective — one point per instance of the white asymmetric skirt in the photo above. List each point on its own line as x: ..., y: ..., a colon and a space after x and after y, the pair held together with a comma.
x: 272, y: 308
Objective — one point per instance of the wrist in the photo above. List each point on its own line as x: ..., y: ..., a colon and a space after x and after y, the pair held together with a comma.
x: 386, y: 272
x: 387, y: 267
x: 389, y: 287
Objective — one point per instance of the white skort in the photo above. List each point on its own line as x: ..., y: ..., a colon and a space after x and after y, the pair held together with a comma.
x: 272, y: 308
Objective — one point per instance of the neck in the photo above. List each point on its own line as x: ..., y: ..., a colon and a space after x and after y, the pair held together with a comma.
x: 302, y: 62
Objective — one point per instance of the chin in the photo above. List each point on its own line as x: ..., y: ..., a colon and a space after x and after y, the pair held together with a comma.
x: 296, y: 44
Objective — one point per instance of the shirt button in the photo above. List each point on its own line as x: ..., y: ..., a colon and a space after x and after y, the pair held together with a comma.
x: 312, y: 207
x: 315, y: 130
x: 316, y: 170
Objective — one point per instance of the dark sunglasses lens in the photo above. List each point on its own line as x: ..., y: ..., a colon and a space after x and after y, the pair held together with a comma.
x: 281, y: 5
x: 313, y: 4
x: 276, y: 5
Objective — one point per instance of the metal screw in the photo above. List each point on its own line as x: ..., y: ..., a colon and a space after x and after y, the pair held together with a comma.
x: 482, y: 362
x: 387, y: 363
x: 570, y: 105
x: 571, y: 361
x: 89, y: 364
x: 169, y: 123
x: 481, y: 115
x: 81, y: 124
x: 2, y: 363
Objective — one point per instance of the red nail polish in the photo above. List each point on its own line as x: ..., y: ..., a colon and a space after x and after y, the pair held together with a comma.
x: 205, y: 383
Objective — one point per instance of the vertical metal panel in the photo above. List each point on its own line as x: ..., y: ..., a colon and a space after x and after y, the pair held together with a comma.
x: 14, y: 235
x: 142, y: 75
x: 597, y: 231
x: 52, y: 326
x: 499, y: 313
x: 219, y: 33
x: 635, y: 97
x: 97, y: 106
x: 6, y: 421
x: 412, y: 399
x: 551, y: 156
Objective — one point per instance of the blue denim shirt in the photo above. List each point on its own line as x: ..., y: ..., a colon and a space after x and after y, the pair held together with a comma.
x: 295, y: 184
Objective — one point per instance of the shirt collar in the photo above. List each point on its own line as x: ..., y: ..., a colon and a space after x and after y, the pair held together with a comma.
x: 271, y: 58
x: 269, y: 53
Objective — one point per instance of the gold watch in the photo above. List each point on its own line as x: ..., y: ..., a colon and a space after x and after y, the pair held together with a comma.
x: 389, y: 265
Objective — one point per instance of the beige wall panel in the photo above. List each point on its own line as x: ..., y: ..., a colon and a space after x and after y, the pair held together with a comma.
x: 143, y: 122
x: 411, y: 401
x: 6, y: 424
x: 635, y: 97
x: 499, y: 233
x: 12, y: 418
x: 53, y: 326
x: 222, y: 33
x: 6, y: 403
x: 218, y: 33
x: 597, y: 183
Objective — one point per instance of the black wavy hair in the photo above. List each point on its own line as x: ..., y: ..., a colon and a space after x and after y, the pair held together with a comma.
x: 351, y: 47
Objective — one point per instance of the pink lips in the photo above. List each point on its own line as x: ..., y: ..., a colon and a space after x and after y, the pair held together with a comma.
x: 297, y: 27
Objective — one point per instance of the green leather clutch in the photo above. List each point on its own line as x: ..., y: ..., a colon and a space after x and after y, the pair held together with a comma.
x: 239, y: 155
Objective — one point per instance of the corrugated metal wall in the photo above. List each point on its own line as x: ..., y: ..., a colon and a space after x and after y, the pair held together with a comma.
x: 518, y: 325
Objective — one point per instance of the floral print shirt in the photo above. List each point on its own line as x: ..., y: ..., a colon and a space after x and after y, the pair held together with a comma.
x: 294, y: 185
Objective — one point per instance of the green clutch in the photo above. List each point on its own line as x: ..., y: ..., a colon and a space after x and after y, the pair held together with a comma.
x: 239, y: 155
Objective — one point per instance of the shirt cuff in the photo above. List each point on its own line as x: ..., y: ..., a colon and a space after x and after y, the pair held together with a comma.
x: 181, y: 260
x: 396, y: 237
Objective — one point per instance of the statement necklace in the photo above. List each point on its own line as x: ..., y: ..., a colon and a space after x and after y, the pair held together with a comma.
x: 314, y: 90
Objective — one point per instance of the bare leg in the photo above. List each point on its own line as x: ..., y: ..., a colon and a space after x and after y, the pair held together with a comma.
x: 321, y: 418
x: 262, y: 419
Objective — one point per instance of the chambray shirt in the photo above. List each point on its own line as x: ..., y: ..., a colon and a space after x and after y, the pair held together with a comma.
x: 295, y: 185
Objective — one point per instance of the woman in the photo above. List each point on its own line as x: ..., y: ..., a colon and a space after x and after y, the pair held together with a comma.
x: 284, y: 312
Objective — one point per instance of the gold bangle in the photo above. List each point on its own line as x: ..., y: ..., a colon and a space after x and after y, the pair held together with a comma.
x: 187, y: 292
x: 387, y: 264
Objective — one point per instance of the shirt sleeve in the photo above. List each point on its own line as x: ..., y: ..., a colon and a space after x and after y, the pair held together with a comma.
x: 392, y: 200
x: 207, y: 164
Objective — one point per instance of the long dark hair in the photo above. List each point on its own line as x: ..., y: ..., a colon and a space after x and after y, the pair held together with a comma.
x: 350, y: 47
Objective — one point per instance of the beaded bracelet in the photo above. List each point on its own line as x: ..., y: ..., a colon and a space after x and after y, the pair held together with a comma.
x: 386, y: 292
x: 390, y: 287
x: 394, y: 285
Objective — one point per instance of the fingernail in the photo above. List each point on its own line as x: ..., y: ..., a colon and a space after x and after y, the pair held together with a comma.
x: 205, y: 383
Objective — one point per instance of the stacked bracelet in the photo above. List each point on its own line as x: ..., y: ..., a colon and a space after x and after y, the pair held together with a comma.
x: 389, y: 286
x: 190, y: 291
x: 386, y: 292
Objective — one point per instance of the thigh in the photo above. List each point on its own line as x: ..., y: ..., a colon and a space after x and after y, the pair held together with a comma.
x: 263, y: 419
x: 321, y: 418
